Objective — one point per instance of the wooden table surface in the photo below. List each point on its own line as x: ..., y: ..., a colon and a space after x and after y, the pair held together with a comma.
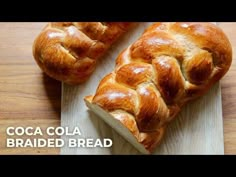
x: 30, y: 98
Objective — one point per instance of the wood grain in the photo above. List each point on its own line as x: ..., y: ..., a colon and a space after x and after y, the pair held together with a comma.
x: 27, y: 97
x: 228, y: 84
x: 197, y: 130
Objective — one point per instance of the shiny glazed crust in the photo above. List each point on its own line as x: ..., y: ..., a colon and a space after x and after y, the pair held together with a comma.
x: 68, y: 51
x: 169, y: 65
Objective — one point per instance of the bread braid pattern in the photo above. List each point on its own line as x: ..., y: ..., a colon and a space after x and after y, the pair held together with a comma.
x: 68, y: 51
x: 169, y: 65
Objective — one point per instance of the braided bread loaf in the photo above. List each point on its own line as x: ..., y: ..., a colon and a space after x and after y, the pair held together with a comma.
x: 169, y: 65
x: 67, y: 51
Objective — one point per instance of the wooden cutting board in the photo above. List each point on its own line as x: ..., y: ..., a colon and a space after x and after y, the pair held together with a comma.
x: 198, y: 129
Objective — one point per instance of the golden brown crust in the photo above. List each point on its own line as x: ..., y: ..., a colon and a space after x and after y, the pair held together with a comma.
x: 170, y: 64
x: 67, y: 51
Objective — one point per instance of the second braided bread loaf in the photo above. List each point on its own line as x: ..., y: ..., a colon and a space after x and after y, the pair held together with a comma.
x: 68, y: 51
